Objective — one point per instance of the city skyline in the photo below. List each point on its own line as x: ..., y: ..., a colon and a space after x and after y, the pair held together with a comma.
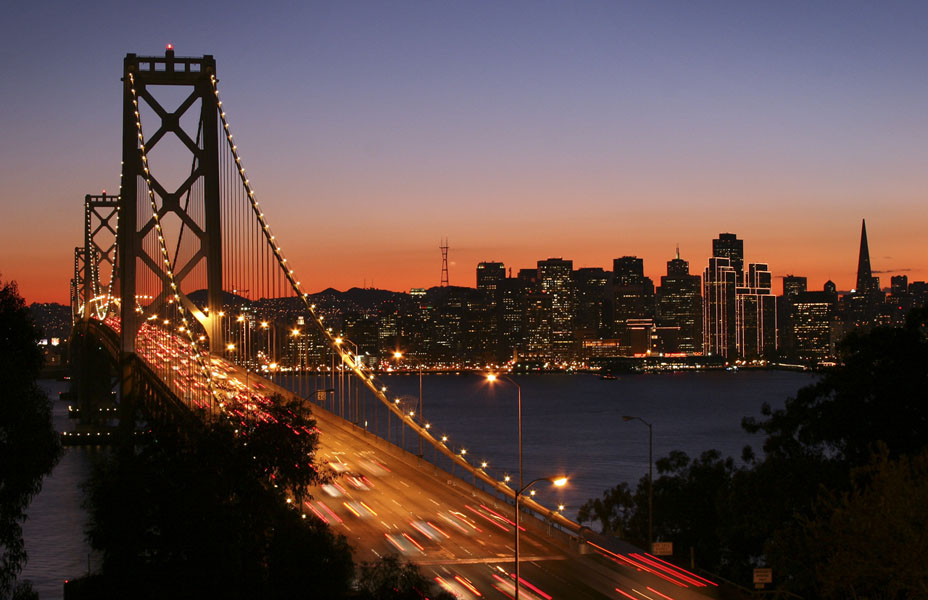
x: 519, y: 132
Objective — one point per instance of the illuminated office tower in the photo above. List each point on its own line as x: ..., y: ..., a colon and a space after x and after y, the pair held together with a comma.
x: 793, y: 285
x: 720, y: 281
x: 727, y: 245
x: 536, y: 326
x: 590, y: 293
x: 555, y: 281
x: 491, y: 277
x: 756, y: 315
x: 632, y: 300
x: 679, y: 308
x: 813, y: 326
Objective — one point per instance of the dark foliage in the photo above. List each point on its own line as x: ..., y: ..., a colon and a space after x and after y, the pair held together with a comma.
x: 392, y: 579
x: 29, y: 447
x: 836, y: 504
x: 871, y: 539
x: 614, y: 511
x: 201, y: 516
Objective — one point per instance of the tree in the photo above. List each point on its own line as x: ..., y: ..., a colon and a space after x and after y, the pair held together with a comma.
x: 691, y: 503
x: 878, y: 393
x: 836, y: 503
x: 614, y: 510
x: 29, y: 446
x: 203, y: 513
x: 876, y: 398
x: 393, y: 579
x: 872, y: 537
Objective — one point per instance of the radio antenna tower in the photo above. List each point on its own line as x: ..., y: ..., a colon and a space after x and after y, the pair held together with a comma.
x: 444, y: 262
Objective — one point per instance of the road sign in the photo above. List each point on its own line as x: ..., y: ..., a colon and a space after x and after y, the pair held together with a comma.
x: 662, y: 548
x: 763, y: 576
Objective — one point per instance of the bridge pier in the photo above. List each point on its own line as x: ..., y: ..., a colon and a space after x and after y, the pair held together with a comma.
x: 93, y: 401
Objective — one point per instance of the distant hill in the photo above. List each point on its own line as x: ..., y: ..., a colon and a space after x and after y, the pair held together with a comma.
x: 54, y: 319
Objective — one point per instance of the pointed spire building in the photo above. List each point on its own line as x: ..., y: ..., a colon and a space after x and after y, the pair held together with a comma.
x: 865, y: 281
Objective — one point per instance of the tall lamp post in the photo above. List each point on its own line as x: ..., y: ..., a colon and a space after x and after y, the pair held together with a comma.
x: 421, y: 416
x: 650, y: 479
x: 558, y: 481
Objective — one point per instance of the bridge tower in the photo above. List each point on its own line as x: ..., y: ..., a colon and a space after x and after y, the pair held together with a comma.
x: 101, y: 218
x: 79, y: 284
x: 195, y: 202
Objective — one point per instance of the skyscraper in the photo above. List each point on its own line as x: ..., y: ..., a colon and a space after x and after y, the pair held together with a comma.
x: 555, y: 281
x: 813, y: 323
x: 632, y: 298
x: 719, y: 284
x: 727, y: 245
x: 862, y: 307
x: 865, y: 279
x: 490, y: 279
x: 756, y: 315
x: 590, y: 291
x: 489, y: 276
x: 679, y: 306
x: 793, y: 284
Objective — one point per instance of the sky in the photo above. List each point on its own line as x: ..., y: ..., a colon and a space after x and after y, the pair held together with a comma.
x: 517, y: 130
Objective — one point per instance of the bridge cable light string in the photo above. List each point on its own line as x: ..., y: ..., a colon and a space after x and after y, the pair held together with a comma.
x: 204, y: 369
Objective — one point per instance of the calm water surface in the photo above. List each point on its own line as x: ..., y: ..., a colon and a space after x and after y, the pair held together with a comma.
x: 54, y: 529
x: 571, y: 424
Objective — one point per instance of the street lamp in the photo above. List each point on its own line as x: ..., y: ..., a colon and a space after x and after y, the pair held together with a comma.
x: 557, y: 481
x: 492, y: 377
x: 398, y: 355
x: 650, y: 479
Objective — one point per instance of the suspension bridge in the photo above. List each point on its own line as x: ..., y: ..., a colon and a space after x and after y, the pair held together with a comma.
x: 182, y: 286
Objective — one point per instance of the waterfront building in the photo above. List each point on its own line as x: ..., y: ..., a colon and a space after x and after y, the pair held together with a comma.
x: 555, y: 281
x: 513, y: 296
x: 756, y: 315
x: 727, y: 245
x: 719, y: 286
x: 679, y: 309
x: 537, y: 329
x: 632, y: 298
x: 590, y: 291
x: 814, y: 326
x: 490, y: 278
x: 862, y: 307
x: 793, y: 285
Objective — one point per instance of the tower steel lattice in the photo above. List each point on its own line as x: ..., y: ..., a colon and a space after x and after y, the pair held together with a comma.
x: 443, y: 246
x: 195, y: 202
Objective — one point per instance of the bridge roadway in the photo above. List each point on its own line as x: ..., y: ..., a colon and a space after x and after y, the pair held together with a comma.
x: 386, y: 500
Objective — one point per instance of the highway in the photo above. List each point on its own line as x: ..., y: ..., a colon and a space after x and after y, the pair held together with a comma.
x: 385, y: 500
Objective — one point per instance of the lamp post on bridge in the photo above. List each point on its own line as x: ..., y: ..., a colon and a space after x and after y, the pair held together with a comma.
x: 650, y: 479
x: 399, y: 355
x: 354, y: 358
x: 558, y: 481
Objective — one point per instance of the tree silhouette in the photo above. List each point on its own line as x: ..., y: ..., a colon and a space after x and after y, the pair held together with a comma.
x: 29, y: 447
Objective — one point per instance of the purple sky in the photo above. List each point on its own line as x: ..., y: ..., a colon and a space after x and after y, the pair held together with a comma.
x: 519, y: 130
